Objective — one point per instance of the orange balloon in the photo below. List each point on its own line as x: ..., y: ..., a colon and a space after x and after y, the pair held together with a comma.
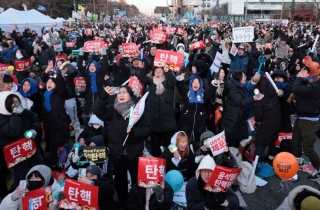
x: 285, y: 165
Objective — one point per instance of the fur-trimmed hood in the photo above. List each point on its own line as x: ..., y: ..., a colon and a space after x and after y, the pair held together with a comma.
x: 247, y: 47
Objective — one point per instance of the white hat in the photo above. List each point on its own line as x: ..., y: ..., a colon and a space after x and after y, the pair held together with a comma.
x: 174, y: 137
x: 206, y: 163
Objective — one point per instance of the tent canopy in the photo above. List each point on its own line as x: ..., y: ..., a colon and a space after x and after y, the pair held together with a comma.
x: 31, y: 18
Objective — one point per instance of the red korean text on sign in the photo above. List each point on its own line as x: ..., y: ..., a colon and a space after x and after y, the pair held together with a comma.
x: 130, y: 50
x: 21, y: 65
x: 283, y: 136
x: 136, y: 85
x: 217, y: 143
x: 197, y: 45
x: 174, y: 59
x: 69, y: 44
x: 4, y: 66
x: 59, y: 57
x: 180, y: 31
x: 40, y: 198
x: 79, y: 82
x: 151, y: 172
x: 222, y: 178
x: 91, y: 46
x: 158, y: 36
x: 80, y: 193
x: 19, y: 151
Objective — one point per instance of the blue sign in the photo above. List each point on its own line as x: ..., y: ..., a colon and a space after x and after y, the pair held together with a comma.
x: 122, y: 13
x: 42, y: 8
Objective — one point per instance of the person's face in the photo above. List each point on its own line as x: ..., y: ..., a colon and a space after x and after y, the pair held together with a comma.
x: 194, y: 69
x: 26, y: 86
x: 91, y: 176
x: 153, y: 51
x: 304, y: 72
x: 136, y: 63
x: 59, y: 63
x: 158, y: 73
x: 182, y: 145
x: 92, y: 68
x: 35, y: 178
x: 278, y: 79
x: 50, y: 85
x: 18, y: 34
x: 32, y: 59
x: 240, y: 52
x: 221, y: 75
x: 15, y: 100
x: 6, y: 87
x: 205, y: 174
x: 123, y: 95
x: 283, y: 42
x: 196, y: 84
x: 244, y: 78
x: 32, y: 75
x: 218, y: 40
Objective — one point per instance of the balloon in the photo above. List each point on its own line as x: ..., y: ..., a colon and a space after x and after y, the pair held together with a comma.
x: 11, y: 68
x: 175, y: 179
x: 285, y: 165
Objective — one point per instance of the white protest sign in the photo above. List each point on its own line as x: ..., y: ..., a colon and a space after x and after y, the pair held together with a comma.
x: 217, y: 143
x: 243, y: 34
x: 216, y: 63
x: 180, y: 196
x: 233, y: 50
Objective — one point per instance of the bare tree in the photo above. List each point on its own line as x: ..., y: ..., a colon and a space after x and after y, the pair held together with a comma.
x: 316, y: 4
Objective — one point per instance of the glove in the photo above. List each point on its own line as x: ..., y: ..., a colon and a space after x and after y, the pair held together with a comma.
x: 221, y: 197
x: 81, y: 51
x: 30, y: 134
x: 256, y: 78
x: 18, y: 193
x: 131, y: 133
x: 104, y: 51
x: 208, y: 203
x: 158, y: 191
x: 75, y: 158
x: 17, y: 109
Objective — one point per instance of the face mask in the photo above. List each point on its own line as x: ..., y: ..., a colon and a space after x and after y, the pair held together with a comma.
x: 19, y: 55
x: 181, y: 50
x: 96, y: 126
x: 33, y: 185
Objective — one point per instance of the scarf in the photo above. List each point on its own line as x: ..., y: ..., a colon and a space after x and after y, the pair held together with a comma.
x: 196, y: 96
x: 93, y: 82
x: 309, y: 78
x: 246, y: 93
x: 282, y: 85
x: 47, y: 100
x: 158, y: 82
x: 123, y: 108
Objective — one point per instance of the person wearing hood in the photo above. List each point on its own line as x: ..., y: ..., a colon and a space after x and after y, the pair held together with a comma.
x: 94, y: 77
x: 15, y: 121
x: 33, y: 75
x: 301, y: 197
x: 8, y: 51
x: 94, y: 128
x: 38, y: 176
x: 268, y: 122
x: 124, y: 154
x: 21, y: 75
x: 193, y: 116
x: 198, y: 198
x: 133, y: 65
x: 45, y: 54
x: 181, y: 49
x: 161, y: 83
x: 150, y: 57
x: 55, y: 118
x: 239, y: 61
x: 199, y: 68
x: 55, y: 38
x: 182, y: 158
x: 7, y: 84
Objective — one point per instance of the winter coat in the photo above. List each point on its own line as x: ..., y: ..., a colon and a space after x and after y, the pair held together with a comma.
x: 106, y: 191
x: 160, y: 107
x: 55, y: 41
x: 7, y: 202
x: 56, y: 121
x: 225, y: 53
x: 196, y: 199
x: 239, y: 62
x: 119, y: 75
x: 193, y: 116
x: 216, y: 47
x: 117, y: 129
x: 90, y: 97
x: 267, y: 112
x: 7, y: 55
x: 89, y: 131
x: 282, y: 50
x: 253, y: 62
x: 13, y: 127
x: 46, y: 54
x: 296, y: 196
x: 268, y: 38
x: 137, y: 199
x: 235, y: 111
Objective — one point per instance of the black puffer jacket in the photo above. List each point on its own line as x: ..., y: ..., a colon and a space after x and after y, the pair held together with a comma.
x: 117, y: 128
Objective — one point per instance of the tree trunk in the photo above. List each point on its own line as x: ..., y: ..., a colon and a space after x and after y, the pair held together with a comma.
x: 292, y: 10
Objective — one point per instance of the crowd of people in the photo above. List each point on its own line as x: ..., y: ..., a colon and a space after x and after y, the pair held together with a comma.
x: 183, y: 108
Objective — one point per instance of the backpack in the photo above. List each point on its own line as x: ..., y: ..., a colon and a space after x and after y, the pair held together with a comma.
x: 244, y: 185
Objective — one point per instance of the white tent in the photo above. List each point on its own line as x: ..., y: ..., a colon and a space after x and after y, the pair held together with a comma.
x: 31, y: 18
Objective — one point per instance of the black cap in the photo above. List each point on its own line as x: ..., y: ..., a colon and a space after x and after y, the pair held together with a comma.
x: 95, y: 170
x: 268, y: 52
x: 283, y: 39
x: 4, y: 44
x: 136, y: 58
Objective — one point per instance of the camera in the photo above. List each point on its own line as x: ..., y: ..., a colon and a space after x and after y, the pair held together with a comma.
x: 108, y: 82
x: 54, y: 73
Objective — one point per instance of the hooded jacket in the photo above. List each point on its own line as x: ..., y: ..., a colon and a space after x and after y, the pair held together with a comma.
x: 89, y: 131
x: 33, y: 95
x: 45, y: 172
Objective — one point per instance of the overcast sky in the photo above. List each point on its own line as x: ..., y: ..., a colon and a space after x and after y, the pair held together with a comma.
x: 148, y: 5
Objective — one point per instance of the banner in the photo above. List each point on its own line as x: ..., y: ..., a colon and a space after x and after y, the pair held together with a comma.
x: 58, y: 48
x: 151, y: 172
x: 39, y: 199
x: 233, y: 50
x: 130, y: 49
x: 216, y: 63
x: 180, y: 31
x: 217, y: 143
x: 4, y: 66
x: 96, y: 154
x: 136, y: 85
x: 90, y: 46
x: 251, y: 122
x: 59, y: 57
x: 19, y: 151
x: 180, y: 196
x: 243, y: 34
x: 171, y: 30
x: 79, y: 193
x: 222, y: 178
x: 137, y: 110
x: 174, y: 59
x: 69, y: 44
x: 197, y: 45
x: 283, y: 136
x: 21, y: 65
x: 158, y: 36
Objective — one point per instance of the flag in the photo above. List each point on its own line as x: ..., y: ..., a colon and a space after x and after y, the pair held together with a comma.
x: 80, y: 7
x: 216, y: 6
x: 42, y: 8
x: 89, y: 15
